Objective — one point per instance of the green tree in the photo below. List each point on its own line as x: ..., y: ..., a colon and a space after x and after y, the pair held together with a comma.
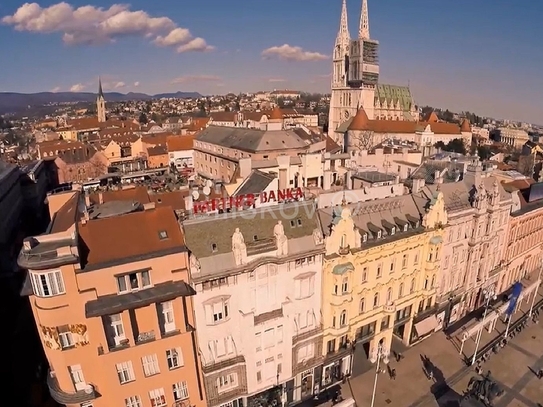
x: 484, y: 152
x: 143, y: 118
x: 154, y: 117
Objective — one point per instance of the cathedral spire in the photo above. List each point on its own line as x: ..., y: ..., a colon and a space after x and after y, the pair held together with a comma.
x: 343, y: 36
x: 100, y: 91
x: 364, y: 30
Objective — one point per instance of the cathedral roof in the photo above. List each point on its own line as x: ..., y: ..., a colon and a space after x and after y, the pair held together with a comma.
x: 466, y: 126
x: 360, y: 121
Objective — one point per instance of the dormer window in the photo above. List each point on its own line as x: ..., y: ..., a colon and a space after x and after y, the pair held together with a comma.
x: 299, y: 222
x: 255, y: 238
x: 393, y: 230
x: 214, y: 248
x: 292, y: 224
x: 417, y: 224
x: 405, y: 227
x: 379, y: 234
x: 364, y: 238
x: 162, y: 235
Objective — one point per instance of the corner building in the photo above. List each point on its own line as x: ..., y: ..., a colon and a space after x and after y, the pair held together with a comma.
x: 379, y: 278
x: 257, y: 275
x: 108, y: 289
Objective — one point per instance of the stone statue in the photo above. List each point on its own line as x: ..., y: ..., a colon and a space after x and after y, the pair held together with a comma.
x: 484, y: 389
x: 194, y: 264
x: 317, y: 236
x: 280, y: 239
x: 80, y: 334
x: 239, y: 248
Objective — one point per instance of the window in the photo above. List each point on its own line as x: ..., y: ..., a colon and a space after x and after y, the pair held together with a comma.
x: 269, y: 369
x: 167, y: 316
x: 389, y: 296
x: 376, y: 300
x: 400, y: 291
x: 77, y: 377
x: 364, y: 238
x: 416, y: 261
x: 227, y: 382
x: 258, y: 341
x: 174, y: 358
x: 379, y: 234
x: 279, y: 334
x: 343, y: 318
x: 217, y: 311
x: 65, y: 337
x: 393, y: 231
x: 133, y: 401
x: 404, y: 261
x: 304, y: 287
x: 158, y: 398
x: 116, y: 329
x: 222, y: 347
x: 345, y: 285
x: 48, y: 284
x: 306, y: 352
x: 180, y: 391
x: 214, y: 248
x: 405, y: 227
x: 379, y: 270
x: 392, y: 264
x: 412, y: 287
x: 362, y: 306
x: 150, y: 365
x: 269, y: 340
x: 364, y: 274
x: 162, y: 235
x: 125, y: 372
x: 133, y: 281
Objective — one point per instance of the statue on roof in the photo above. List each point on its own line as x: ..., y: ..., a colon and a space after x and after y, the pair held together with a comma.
x: 280, y: 239
x: 194, y: 264
x: 239, y: 248
x: 317, y: 236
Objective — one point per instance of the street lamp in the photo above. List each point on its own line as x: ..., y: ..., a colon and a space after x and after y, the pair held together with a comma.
x: 489, y: 293
x: 379, y: 353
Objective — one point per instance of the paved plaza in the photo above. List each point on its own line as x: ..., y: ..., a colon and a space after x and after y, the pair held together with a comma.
x: 513, y: 368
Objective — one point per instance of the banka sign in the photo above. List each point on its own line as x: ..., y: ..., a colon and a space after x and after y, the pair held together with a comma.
x: 248, y: 200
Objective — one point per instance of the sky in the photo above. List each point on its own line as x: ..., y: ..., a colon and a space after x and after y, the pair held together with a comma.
x: 484, y: 56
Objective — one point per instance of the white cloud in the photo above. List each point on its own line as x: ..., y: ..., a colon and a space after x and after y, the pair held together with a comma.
x: 97, y: 25
x: 78, y: 87
x: 290, y: 53
x: 119, y: 85
x: 136, y: 84
x: 276, y: 80
x: 55, y: 89
x: 196, y: 44
x: 196, y: 78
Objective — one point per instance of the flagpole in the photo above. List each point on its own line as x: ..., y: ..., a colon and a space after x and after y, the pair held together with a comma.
x: 508, y: 325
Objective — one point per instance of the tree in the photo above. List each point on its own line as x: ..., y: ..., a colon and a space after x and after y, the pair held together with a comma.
x: 281, y: 102
x: 143, y: 118
x: 484, y: 152
x: 154, y: 117
x: 455, y: 146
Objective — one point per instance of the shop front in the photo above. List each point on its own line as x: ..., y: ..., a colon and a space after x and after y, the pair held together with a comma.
x: 273, y: 397
x: 336, y: 367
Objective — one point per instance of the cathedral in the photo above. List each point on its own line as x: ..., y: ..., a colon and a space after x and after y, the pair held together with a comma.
x: 101, y: 103
x: 355, y: 79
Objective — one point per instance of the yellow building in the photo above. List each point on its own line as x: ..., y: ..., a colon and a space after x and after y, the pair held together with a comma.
x: 379, y: 278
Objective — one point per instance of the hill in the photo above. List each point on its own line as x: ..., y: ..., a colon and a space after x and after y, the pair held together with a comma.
x: 15, y: 102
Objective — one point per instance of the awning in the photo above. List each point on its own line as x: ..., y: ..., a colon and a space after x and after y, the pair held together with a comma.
x: 343, y: 268
x: 426, y: 326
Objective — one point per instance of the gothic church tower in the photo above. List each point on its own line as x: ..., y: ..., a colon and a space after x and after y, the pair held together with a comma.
x: 101, y: 103
x: 355, y: 71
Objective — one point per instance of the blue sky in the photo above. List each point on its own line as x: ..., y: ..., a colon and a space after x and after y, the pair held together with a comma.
x: 484, y: 56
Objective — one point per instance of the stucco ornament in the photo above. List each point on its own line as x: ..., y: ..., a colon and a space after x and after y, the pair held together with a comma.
x: 194, y: 264
x: 239, y: 248
x: 317, y: 236
x: 280, y: 239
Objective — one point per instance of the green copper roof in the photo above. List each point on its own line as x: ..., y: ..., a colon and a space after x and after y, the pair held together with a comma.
x: 394, y: 94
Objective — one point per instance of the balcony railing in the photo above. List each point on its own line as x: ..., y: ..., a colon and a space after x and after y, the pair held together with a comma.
x: 144, y: 337
x: 66, y: 397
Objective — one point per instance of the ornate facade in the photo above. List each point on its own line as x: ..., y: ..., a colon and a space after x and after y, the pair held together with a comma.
x: 355, y: 77
x: 379, y: 277
x: 258, y: 280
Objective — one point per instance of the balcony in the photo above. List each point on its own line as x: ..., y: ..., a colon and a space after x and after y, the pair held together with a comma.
x: 214, y: 366
x: 64, y: 397
x: 46, y: 252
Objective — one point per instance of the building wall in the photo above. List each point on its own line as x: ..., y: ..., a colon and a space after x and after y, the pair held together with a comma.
x: 158, y: 161
x: 91, y: 351
x: 182, y: 158
x: 261, y: 302
x: 83, y: 171
x: 11, y: 203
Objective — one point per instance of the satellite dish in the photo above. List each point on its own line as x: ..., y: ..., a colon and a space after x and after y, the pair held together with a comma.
x: 207, y: 190
x: 195, y: 195
x: 209, y: 183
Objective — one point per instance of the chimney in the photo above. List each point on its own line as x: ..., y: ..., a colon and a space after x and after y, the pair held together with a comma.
x: 148, y: 206
x: 100, y: 198
x: 418, y: 184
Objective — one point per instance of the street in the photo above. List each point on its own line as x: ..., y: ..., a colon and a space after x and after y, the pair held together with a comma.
x: 513, y: 368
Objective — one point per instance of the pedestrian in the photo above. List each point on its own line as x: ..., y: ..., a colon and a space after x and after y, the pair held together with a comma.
x: 393, y: 374
x: 399, y: 357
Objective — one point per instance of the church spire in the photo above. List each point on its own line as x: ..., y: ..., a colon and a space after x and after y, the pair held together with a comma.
x: 343, y: 36
x: 364, y: 30
x: 100, y: 91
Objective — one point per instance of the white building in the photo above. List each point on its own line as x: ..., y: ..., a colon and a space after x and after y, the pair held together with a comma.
x: 258, y: 279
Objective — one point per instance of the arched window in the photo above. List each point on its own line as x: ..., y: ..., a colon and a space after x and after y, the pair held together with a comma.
x: 389, y: 296
x: 426, y: 283
x: 362, y: 306
x: 343, y: 241
x: 412, y: 288
x: 433, y: 281
x: 376, y: 300
x: 343, y: 318
x: 400, y: 291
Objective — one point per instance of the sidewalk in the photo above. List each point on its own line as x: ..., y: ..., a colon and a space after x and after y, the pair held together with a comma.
x: 412, y: 387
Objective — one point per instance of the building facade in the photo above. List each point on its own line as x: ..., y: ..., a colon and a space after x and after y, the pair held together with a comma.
x: 475, y: 239
x: 258, y: 281
x: 115, y: 319
x: 379, y: 277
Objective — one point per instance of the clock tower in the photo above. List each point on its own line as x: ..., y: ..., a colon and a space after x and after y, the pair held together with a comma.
x: 355, y: 72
